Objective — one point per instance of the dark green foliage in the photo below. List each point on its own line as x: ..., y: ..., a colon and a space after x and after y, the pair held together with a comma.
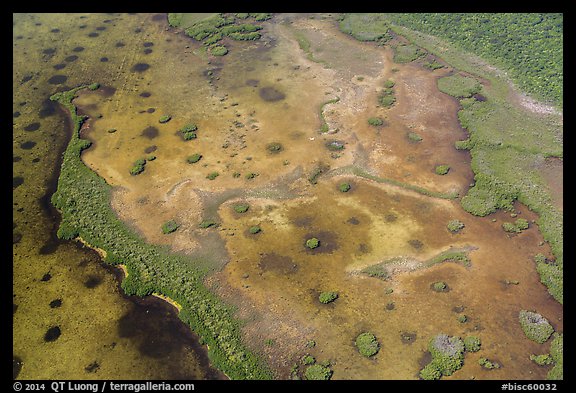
x: 308, y: 360
x: 260, y: 17
x: 94, y: 86
x: 430, y: 372
x: 312, y: 243
x: 389, y: 84
x: 375, y: 121
x: 194, y: 158
x: 528, y: 45
x: 344, y: 187
x: 442, y: 169
x: 367, y: 344
x: 535, y: 326
x: 83, y: 198
x: 212, y: 175
x: 255, y: 229
x: 318, y: 372
x: 190, y: 127
x: 455, y: 226
x: 472, y: 344
x: 169, y: 227
x: 552, y: 277
x: 164, y: 119
x: 174, y: 19
x: 327, y: 297
x: 241, y: 208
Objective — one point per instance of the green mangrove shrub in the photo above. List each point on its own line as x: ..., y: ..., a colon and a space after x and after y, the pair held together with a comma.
x: 488, y: 364
x: 344, y: 187
x: 455, y: 226
x: 447, y: 356
x: 318, y: 372
x: 375, y: 121
x: 194, y: 158
x: 241, y: 208
x: 535, y: 326
x: 442, y: 169
x: 169, y: 227
x: 472, y: 344
x: 138, y: 167
x: 164, y: 119
x: 312, y: 243
x: 327, y: 297
x: 367, y: 344
x: 212, y: 175
x: 255, y: 229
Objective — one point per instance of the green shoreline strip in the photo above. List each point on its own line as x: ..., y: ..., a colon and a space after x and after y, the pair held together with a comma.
x: 83, y: 198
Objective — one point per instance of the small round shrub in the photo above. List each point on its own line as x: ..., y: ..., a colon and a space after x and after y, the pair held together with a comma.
x: 150, y: 158
x: 308, y: 360
x: 255, y: 229
x: 521, y: 224
x: 367, y: 344
x: 212, y: 175
x: 389, y: 84
x: 312, y: 243
x: 375, y: 121
x: 189, y: 128
x: 462, y: 318
x: 94, y: 86
x: 442, y: 169
x: 318, y: 372
x: 439, y: 286
x: 164, y: 119
x: 510, y: 227
x: 414, y: 137
x: 327, y: 297
x: 344, y: 187
x: 274, y: 147
x: 169, y: 227
x: 455, y: 225
x: 241, y: 208
x: 194, y: 158
x: 472, y: 344
x: 218, y: 50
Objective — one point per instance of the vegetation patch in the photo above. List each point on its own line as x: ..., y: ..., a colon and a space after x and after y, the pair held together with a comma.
x: 218, y: 50
x: 212, y: 175
x: 488, y: 364
x: 318, y: 372
x: 169, y: 227
x: 542, y: 360
x: 459, y: 86
x: 535, y: 326
x: 344, y: 187
x: 472, y: 344
x: 327, y: 297
x: 241, y: 208
x: 367, y: 344
x: 324, y: 126
x: 447, y: 356
x: 194, y: 158
x: 255, y: 229
x: 455, y: 226
x: 406, y: 53
x: 366, y: 27
x: 442, y: 169
x: 208, y: 224
x: 413, y: 137
x: 518, y: 226
x: 387, y: 97
x: 138, y: 167
x: 557, y: 353
x: 375, y: 121
x: 334, y: 145
x: 440, y: 286
x: 164, y: 119
x: 379, y: 271
x: 274, y: 147
x: 312, y: 243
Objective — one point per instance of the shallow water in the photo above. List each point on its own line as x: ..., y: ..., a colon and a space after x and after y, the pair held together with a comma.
x: 70, y: 319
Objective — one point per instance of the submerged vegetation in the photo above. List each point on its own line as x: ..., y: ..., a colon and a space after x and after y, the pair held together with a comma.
x: 83, y: 199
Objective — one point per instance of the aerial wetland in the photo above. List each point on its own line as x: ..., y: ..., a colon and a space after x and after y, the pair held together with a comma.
x: 278, y: 196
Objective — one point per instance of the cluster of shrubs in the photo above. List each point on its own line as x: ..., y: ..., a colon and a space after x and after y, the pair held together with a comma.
x: 169, y: 227
x: 189, y: 131
x: 455, y: 226
x: 387, y: 97
x: 517, y: 226
x: 138, y: 167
